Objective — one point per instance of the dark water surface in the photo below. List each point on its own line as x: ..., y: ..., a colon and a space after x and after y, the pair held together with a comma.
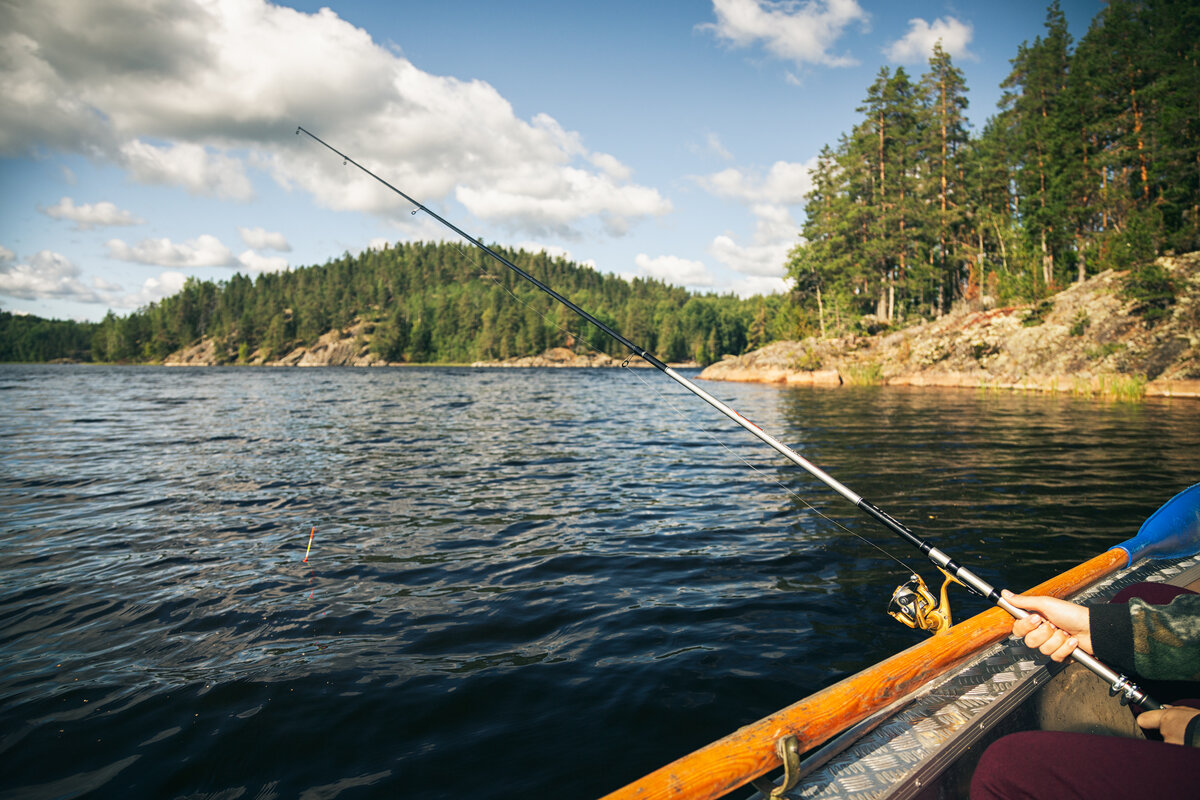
x: 522, y: 583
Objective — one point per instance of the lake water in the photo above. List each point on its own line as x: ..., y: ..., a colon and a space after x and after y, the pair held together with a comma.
x: 521, y: 583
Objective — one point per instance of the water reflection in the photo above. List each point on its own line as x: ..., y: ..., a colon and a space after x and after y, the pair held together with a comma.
x: 506, y: 563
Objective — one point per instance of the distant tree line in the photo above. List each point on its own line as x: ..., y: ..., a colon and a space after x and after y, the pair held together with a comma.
x: 27, y: 338
x: 1092, y: 162
x: 439, y: 303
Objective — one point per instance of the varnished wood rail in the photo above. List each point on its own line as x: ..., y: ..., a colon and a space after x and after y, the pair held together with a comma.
x: 749, y: 752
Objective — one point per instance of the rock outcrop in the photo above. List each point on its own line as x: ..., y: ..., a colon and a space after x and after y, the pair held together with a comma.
x: 349, y: 347
x: 565, y: 357
x: 1082, y: 339
x: 556, y: 357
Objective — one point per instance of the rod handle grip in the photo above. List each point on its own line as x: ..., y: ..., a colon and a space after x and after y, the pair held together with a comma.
x: 1117, y: 683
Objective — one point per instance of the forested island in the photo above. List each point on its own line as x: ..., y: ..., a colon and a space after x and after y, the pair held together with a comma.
x: 1090, y: 169
x: 441, y: 303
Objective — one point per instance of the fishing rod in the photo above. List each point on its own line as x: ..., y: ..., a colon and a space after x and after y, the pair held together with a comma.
x: 1118, y: 683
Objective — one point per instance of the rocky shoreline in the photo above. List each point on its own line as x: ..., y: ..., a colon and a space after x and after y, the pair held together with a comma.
x: 1085, y: 339
x: 564, y: 357
x: 351, y: 347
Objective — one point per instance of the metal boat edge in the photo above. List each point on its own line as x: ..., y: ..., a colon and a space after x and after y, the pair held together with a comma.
x: 925, y: 746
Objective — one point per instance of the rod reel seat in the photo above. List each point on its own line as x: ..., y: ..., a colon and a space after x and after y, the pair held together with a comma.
x: 915, y: 606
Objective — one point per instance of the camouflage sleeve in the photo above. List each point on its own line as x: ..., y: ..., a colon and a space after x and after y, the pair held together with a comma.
x: 1154, y: 642
x: 1166, y: 639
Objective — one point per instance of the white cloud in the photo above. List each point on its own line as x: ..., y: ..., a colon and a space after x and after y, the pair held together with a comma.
x: 712, y: 146
x: 191, y: 166
x: 379, y: 243
x: 47, y: 275
x: 674, y: 270
x: 253, y: 262
x: 609, y: 165
x: 775, y: 233
x: 761, y: 262
x: 90, y: 215
x: 262, y: 239
x: 203, y: 251
x: 786, y: 183
x: 552, y: 202
x: 803, y: 33
x: 153, y: 290
x: 917, y: 45
x: 100, y: 284
x: 713, y: 141
x: 195, y: 94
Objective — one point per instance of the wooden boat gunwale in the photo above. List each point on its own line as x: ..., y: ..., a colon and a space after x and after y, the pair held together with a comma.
x: 749, y: 753
x: 943, y: 770
x: 864, y: 701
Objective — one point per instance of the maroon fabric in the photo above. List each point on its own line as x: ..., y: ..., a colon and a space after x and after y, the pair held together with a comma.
x: 1052, y: 765
x: 1049, y: 765
x: 1156, y: 594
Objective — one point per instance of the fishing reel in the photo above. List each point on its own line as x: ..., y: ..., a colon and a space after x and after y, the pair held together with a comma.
x: 915, y: 606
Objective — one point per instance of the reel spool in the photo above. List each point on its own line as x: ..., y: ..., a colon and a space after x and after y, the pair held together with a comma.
x: 914, y: 605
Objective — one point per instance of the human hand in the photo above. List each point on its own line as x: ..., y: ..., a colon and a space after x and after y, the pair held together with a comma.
x: 1054, y: 627
x: 1170, y: 721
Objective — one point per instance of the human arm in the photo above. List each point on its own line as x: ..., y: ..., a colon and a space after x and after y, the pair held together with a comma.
x: 1155, y: 641
x: 1158, y: 642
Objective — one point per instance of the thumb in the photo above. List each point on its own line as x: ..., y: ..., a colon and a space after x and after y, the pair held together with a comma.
x: 1020, y: 600
x: 1150, y: 719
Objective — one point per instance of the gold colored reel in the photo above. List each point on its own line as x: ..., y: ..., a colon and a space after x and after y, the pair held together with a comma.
x: 915, y: 606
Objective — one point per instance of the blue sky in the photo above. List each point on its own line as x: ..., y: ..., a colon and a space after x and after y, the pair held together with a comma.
x: 142, y: 142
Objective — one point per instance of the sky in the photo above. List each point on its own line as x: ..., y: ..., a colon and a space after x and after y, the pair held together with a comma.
x: 143, y: 142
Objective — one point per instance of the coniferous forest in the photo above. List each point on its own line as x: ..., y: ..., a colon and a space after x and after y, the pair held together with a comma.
x: 1091, y: 162
x: 437, y: 303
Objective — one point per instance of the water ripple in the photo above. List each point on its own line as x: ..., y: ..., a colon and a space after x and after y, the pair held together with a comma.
x: 509, y: 567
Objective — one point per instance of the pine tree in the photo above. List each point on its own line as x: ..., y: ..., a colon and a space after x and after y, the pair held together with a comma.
x: 945, y: 92
x: 1042, y: 126
x: 889, y: 137
x: 821, y: 262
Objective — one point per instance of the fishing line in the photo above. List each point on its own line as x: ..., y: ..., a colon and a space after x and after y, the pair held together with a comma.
x: 686, y: 416
x: 666, y: 399
x: 1119, y: 684
x: 484, y: 273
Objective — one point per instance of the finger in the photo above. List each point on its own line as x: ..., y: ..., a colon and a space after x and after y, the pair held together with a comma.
x: 1023, y: 626
x: 1064, y: 651
x: 1039, y: 636
x: 1056, y: 640
x: 1016, y: 599
x: 1020, y: 600
x: 1036, y: 638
